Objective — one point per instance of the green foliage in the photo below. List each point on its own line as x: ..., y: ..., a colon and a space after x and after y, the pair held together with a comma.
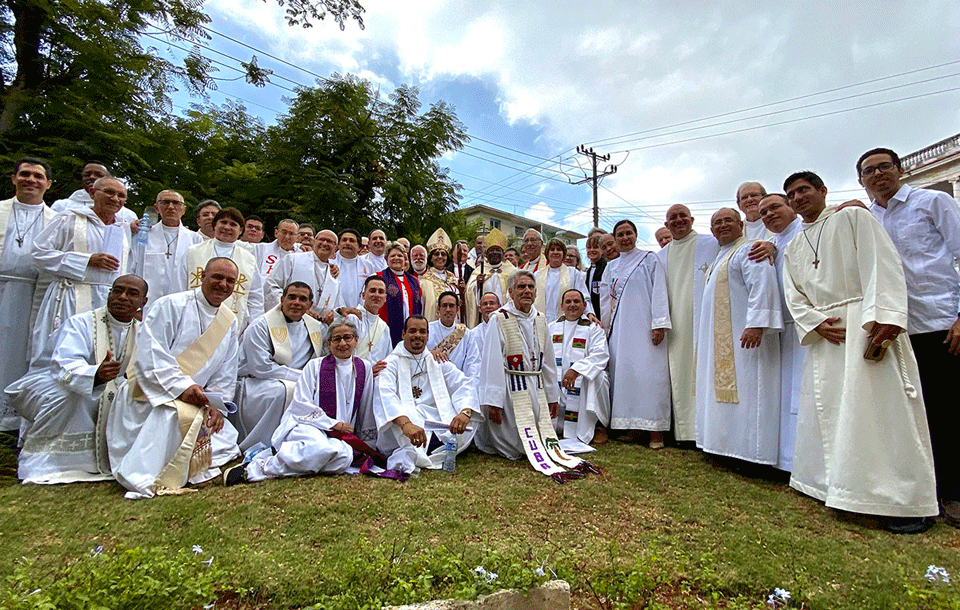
x: 136, y: 578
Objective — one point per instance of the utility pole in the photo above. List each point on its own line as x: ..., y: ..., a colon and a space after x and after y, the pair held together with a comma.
x: 595, y: 178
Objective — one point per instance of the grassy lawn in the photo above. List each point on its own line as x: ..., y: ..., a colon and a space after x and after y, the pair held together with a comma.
x: 709, y: 535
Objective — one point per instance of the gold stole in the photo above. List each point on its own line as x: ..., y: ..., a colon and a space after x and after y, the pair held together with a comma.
x: 724, y: 364
x: 451, y: 341
x: 280, y: 338
x: 564, y: 281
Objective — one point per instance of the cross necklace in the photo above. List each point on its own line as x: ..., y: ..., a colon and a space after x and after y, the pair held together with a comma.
x: 16, y: 225
x: 170, y: 242
x: 816, y: 250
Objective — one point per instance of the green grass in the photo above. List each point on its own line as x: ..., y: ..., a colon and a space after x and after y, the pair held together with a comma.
x: 708, y: 531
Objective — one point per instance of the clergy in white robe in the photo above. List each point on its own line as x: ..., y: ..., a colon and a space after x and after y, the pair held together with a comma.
x: 686, y: 260
x: 749, y: 195
x: 187, y: 348
x: 83, y: 251
x: 285, y: 242
x: 331, y: 409
x: 273, y: 352
x: 738, y: 351
x: 531, y: 251
x: 500, y: 435
x: 490, y: 275
x: 311, y: 268
x: 374, y: 343
x: 376, y: 256
x: 581, y: 351
x: 22, y: 218
x: 82, y: 197
x: 246, y: 302
x: 354, y: 269
x: 634, y: 309
x: 489, y: 303
x: 555, y: 278
x: 64, y: 398
x: 862, y: 439
x: 422, y: 404
x: 452, y: 340
x: 162, y: 262
x: 784, y: 225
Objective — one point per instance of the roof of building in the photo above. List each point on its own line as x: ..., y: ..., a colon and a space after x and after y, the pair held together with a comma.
x: 521, y: 220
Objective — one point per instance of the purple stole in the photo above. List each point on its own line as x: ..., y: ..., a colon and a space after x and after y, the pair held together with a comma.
x: 394, y: 303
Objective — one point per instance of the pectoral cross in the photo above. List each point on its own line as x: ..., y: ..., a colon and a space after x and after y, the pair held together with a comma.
x: 19, y: 241
x: 169, y: 255
x: 816, y: 263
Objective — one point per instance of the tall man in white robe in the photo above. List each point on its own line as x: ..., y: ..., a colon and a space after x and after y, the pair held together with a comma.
x: 65, y: 397
x: 247, y: 300
x: 274, y: 350
x: 311, y: 268
x: 331, y: 409
x: 163, y: 432
x: 490, y: 275
x: 784, y: 225
x: 749, y: 195
x: 22, y: 218
x: 378, y: 247
x: 354, y: 269
x: 686, y: 260
x: 285, y: 242
x: 83, y: 250
x: 161, y: 263
x: 422, y: 404
x: 862, y: 439
x: 555, y: 278
x: 453, y: 341
x: 374, y: 343
x: 83, y: 196
x: 738, y: 358
x: 581, y: 350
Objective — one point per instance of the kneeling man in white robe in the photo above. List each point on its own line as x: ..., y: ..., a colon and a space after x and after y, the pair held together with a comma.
x: 64, y: 398
x: 582, y: 357
x: 162, y: 431
x: 422, y: 404
x: 274, y: 350
x: 321, y: 429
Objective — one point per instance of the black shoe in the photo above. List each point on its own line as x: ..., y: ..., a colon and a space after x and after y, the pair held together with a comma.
x: 235, y: 475
x: 908, y: 525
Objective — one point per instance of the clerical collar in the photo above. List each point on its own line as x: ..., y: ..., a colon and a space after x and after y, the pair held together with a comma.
x: 397, y: 273
x: 224, y: 244
x: 116, y: 322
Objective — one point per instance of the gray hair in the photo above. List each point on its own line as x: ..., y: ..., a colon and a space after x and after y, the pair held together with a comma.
x: 535, y: 232
x: 339, y: 321
x: 516, y: 275
x: 290, y: 220
x: 735, y: 211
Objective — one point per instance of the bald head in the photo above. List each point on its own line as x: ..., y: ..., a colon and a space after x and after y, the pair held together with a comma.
x: 679, y: 221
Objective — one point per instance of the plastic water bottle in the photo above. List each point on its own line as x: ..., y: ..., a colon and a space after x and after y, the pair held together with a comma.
x: 450, y: 455
x: 143, y: 232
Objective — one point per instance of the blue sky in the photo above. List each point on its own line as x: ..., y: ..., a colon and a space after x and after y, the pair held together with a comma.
x: 542, y: 77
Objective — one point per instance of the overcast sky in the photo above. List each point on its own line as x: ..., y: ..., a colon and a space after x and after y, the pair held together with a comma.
x: 543, y: 77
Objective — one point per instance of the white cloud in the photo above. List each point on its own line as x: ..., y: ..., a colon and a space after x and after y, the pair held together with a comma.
x: 541, y: 212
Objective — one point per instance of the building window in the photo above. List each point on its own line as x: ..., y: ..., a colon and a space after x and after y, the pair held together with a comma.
x: 494, y: 223
x: 519, y: 231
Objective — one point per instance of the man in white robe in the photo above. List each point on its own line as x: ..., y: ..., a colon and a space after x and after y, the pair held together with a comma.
x: 65, y: 396
x: 311, y: 268
x: 862, y: 439
x: 749, y: 195
x: 784, y: 225
x: 738, y: 357
x: 83, y: 197
x: 274, y: 350
x: 555, y: 278
x: 531, y: 249
x: 161, y: 263
x: 84, y: 251
x: 489, y: 303
x: 247, y: 299
x: 269, y: 254
x: 374, y: 344
x: 422, y: 404
x: 453, y: 341
x: 187, y: 352
x: 22, y: 218
x: 686, y: 260
x: 354, y: 269
x: 490, y: 275
x: 378, y: 247
x: 581, y: 351
x: 330, y: 411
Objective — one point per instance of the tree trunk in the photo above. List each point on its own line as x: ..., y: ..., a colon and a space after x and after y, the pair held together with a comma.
x: 28, y: 23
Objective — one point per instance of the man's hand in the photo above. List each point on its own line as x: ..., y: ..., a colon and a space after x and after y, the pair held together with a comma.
x: 762, y: 250
x: 214, y: 420
x: 657, y: 334
x: 343, y: 427
x: 334, y: 271
x: 108, y: 370
x: 883, y: 332
x: 313, y: 313
x: 459, y: 423
x: 852, y: 203
x: 135, y: 227
x: 833, y: 334
x: 415, y: 433
x: 751, y: 338
x: 569, y: 378
x: 554, y: 408
x: 494, y: 414
x: 379, y: 367
x: 439, y: 356
x: 480, y: 278
x: 194, y: 396
x: 953, y: 339
x: 346, y: 311
x: 327, y: 318
x: 593, y: 318
x: 103, y: 261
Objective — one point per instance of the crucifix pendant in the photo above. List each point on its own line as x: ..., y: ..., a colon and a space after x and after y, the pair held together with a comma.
x: 19, y: 241
x: 416, y: 391
x: 169, y: 255
x: 816, y: 263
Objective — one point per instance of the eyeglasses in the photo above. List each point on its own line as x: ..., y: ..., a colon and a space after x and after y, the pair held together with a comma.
x: 112, y: 193
x: 170, y: 203
x: 886, y: 166
x: 342, y: 339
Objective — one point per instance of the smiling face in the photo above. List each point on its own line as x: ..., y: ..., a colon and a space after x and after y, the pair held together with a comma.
x: 305, y: 237
x: 555, y: 255
x: 776, y: 213
x: 448, y: 308
x: 726, y: 226
x: 218, y: 281
x: 573, y: 305
x: 625, y: 237
x: 227, y: 230
x: 378, y: 242
x: 679, y: 221
x: 108, y: 197
x: 748, y: 199
x: 880, y: 175
x: 127, y: 295
x: 531, y: 246
x: 663, y: 236
x: 286, y: 235
x: 295, y: 302
x: 418, y: 259
x: 91, y: 173
x: 396, y: 259
x: 349, y: 246
x: 31, y: 182
x: 342, y: 341
x: 324, y: 244
x: 374, y: 295
x: 489, y: 304
x: 416, y: 331
x: 572, y: 259
x: 608, y: 245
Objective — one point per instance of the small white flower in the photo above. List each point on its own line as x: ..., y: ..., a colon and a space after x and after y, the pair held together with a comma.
x: 491, y: 576
x: 540, y: 572
x: 197, y: 549
x: 935, y: 574
x: 210, y: 606
x: 480, y: 571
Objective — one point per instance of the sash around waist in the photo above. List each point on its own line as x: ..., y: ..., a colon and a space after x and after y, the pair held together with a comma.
x: 838, y: 304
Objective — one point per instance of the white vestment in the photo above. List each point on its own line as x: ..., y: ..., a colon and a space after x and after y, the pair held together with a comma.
x: 353, y: 272
x: 247, y: 300
x: 552, y: 283
x: 581, y: 345
x: 862, y: 439
x: 444, y: 392
x: 377, y: 263
x: 686, y: 261
x: 269, y: 254
x: 748, y: 429
x: 144, y: 435
x: 62, y: 251
x: 19, y: 301
x: 80, y: 199
x: 499, y: 288
x: 465, y: 356
x: 301, y: 445
x: 163, y: 260
x: 503, y: 438
x: 307, y: 268
x: 755, y: 229
x: 634, y: 301
x: 62, y: 405
x: 374, y: 343
x: 266, y: 385
x: 791, y: 358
